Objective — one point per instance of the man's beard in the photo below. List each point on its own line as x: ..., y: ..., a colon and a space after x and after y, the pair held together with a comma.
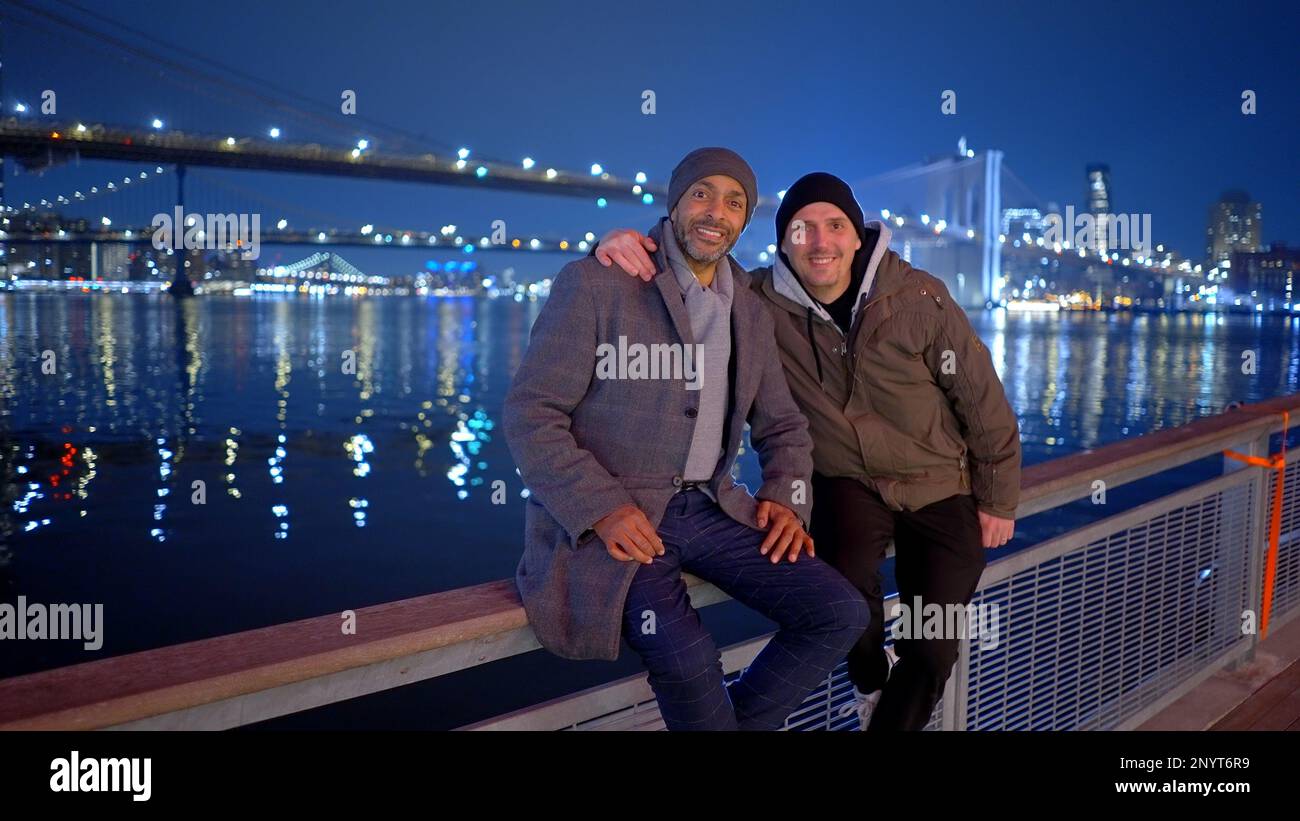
x: 687, y: 243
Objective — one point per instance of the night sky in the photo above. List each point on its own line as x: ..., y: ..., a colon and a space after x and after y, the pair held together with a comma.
x: 1152, y: 89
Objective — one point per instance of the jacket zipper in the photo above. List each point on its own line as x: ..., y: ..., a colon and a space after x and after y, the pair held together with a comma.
x: 843, y: 348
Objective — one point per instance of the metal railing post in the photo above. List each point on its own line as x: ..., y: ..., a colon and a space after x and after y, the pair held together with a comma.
x: 1258, y: 535
x: 955, y: 695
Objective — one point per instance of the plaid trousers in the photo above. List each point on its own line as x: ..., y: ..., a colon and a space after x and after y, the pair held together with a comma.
x: 818, y: 613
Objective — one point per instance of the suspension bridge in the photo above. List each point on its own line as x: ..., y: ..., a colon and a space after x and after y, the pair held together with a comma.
x: 948, y: 213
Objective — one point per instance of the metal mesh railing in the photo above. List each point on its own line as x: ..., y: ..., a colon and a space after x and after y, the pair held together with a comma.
x: 1093, y: 631
x: 1102, y: 626
x: 1098, y: 632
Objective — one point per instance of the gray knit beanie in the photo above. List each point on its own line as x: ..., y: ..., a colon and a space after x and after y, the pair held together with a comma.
x: 705, y: 162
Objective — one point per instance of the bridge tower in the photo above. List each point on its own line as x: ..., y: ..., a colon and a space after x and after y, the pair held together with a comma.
x: 958, y: 199
x: 181, y: 285
x: 991, y: 245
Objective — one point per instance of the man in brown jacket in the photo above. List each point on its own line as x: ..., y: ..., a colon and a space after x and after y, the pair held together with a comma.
x: 913, y: 438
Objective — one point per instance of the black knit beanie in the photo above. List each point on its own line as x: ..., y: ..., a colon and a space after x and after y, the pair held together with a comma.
x: 822, y: 187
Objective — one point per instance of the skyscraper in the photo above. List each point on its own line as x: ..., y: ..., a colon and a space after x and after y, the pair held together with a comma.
x: 1234, y: 225
x: 1099, y: 203
x: 1098, y: 189
x: 1266, y: 278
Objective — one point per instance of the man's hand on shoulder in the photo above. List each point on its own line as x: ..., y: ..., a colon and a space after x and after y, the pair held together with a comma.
x: 630, y: 250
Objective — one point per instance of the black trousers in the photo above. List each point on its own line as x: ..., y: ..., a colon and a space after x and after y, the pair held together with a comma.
x: 938, y: 556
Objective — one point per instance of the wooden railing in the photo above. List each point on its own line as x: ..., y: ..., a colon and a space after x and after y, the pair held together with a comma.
x: 252, y: 676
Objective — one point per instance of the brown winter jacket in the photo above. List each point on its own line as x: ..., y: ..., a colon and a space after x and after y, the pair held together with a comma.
x: 909, y: 401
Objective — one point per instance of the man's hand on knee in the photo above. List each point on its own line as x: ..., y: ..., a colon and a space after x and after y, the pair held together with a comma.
x: 629, y: 536
x: 785, y: 535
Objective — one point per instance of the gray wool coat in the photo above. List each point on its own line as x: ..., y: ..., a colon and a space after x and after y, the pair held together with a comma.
x: 586, y: 444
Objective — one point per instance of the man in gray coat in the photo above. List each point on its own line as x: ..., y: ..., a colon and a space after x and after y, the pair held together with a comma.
x: 625, y: 419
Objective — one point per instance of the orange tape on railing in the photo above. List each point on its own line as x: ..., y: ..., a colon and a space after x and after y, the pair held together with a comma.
x: 1276, y: 462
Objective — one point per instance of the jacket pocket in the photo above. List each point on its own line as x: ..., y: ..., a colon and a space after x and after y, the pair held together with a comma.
x: 888, y: 451
x: 879, y: 453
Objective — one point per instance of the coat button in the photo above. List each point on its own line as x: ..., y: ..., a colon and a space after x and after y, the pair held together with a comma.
x: 692, y: 412
x: 677, y: 481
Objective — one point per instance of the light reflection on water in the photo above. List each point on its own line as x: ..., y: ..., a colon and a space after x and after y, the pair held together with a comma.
x: 348, y: 450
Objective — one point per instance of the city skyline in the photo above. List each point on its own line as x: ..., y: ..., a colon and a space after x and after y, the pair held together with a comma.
x: 553, y: 99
